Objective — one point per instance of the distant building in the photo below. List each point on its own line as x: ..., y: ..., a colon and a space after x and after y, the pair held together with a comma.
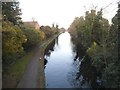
x: 32, y: 24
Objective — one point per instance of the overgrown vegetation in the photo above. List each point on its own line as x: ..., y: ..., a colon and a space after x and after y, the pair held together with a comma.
x: 12, y: 40
x: 34, y: 38
x: 49, y: 31
x: 14, y: 73
x: 100, y: 40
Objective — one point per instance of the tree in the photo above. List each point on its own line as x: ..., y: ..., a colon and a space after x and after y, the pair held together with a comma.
x: 101, y: 42
x: 11, y: 12
x: 111, y: 71
x: 49, y: 31
x: 12, y: 40
x: 73, y: 27
x: 34, y: 38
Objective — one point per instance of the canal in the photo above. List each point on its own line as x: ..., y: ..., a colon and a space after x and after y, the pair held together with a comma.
x: 61, y: 68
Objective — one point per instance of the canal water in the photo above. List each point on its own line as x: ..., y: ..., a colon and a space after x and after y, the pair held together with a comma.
x: 61, y: 70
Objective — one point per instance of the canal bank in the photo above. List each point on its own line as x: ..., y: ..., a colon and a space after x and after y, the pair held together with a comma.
x: 34, y: 74
x: 41, y: 59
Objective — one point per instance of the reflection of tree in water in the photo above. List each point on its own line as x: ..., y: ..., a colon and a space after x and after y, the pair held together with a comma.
x: 72, y: 80
x: 75, y: 78
x: 57, y: 40
x: 80, y: 51
x: 45, y: 62
x: 87, y: 73
x: 49, y: 48
x: 73, y: 74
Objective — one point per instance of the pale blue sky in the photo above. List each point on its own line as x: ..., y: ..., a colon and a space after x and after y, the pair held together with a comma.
x: 63, y: 12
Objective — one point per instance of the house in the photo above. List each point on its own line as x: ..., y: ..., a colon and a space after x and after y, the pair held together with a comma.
x: 32, y: 24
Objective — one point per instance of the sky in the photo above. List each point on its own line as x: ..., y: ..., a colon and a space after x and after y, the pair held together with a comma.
x: 63, y: 12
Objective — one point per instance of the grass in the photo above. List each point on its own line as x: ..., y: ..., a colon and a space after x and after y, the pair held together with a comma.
x: 14, y: 73
x: 19, y: 67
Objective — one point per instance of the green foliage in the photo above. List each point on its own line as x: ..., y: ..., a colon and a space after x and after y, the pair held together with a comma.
x: 11, y: 12
x: 12, y: 40
x: 15, y: 72
x: 92, y: 50
x: 101, y: 43
x: 34, y: 37
x: 49, y: 31
x: 105, y: 56
x: 111, y: 75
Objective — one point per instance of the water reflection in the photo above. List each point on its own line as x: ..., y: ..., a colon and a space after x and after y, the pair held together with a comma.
x: 75, y: 76
x: 86, y: 70
x: 49, y: 48
x: 62, y: 71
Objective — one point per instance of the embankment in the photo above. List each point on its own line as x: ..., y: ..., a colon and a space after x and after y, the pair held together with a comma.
x: 42, y: 51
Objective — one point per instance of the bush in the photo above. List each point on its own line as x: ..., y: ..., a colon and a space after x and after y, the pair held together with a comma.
x: 34, y: 37
x: 12, y: 40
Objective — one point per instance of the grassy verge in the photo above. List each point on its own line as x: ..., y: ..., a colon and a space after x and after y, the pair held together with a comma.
x: 14, y: 73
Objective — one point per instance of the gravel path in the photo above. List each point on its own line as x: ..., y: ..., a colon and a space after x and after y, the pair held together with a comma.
x: 34, y: 74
